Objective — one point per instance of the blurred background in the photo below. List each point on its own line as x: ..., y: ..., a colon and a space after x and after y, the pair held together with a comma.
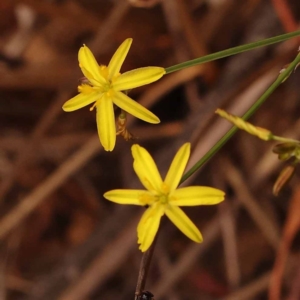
x: 60, y: 239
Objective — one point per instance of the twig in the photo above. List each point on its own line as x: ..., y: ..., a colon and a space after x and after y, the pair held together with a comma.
x: 295, y: 290
x: 229, y: 237
x: 285, y: 15
x: 104, y: 265
x: 262, y: 220
x: 29, y: 203
x: 25, y: 153
x: 173, y: 14
x: 251, y: 290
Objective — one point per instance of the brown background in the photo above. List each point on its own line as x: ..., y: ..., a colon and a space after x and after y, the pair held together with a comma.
x: 60, y: 239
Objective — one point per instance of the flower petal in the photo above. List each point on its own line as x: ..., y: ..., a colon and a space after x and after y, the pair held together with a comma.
x: 196, y: 195
x: 145, y: 168
x: 134, y: 108
x: 89, y: 65
x: 183, y: 223
x: 106, y: 123
x: 118, y: 58
x: 177, y: 167
x: 80, y: 101
x: 127, y: 196
x: 149, y: 225
x: 138, y: 77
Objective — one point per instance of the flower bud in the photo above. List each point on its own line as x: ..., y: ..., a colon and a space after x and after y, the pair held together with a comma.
x: 283, y: 178
x: 261, y: 133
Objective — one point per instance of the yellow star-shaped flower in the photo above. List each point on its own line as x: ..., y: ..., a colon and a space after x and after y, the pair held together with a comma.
x: 163, y: 197
x: 104, y: 86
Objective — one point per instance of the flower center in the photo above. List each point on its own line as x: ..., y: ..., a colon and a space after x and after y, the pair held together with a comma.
x: 163, y: 199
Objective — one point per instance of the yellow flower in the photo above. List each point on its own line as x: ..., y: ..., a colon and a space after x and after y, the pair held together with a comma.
x: 163, y: 197
x: 103, y: 85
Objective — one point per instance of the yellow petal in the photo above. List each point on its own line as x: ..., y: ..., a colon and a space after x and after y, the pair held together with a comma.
x: 126, y: 196
x: 86, y: 89
x: 145, y: 168
x: 80, y: 101
x: 118, y: 58
x: 196, y: 195
x: 177, y: 167
x: 134, y: 108
x: 106, y: 123
x: 138, y: 77
x: 89, y: 65
x: 183, y: 223
x: 149, y: 225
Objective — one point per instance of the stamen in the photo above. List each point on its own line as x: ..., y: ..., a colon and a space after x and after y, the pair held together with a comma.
x: 146, y: 199
x: 93, y: 106
x: 165, y: 188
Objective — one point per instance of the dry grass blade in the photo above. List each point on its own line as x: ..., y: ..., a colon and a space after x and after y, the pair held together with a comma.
x: 292, y: 226
x: 104, y: 265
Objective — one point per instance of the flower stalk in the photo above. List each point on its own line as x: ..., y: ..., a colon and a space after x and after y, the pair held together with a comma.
x: 282, y: 76
x: 232, y: 51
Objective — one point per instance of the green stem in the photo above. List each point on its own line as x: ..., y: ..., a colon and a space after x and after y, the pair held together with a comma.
x: 282, y: 77
x: 283, y: 140
x: 232, y: 51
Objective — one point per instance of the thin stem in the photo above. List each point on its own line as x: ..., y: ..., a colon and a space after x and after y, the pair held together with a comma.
x: 282, y: 77
x: 231, y: 51
x: 284, y: 140
x: 143, y: 271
